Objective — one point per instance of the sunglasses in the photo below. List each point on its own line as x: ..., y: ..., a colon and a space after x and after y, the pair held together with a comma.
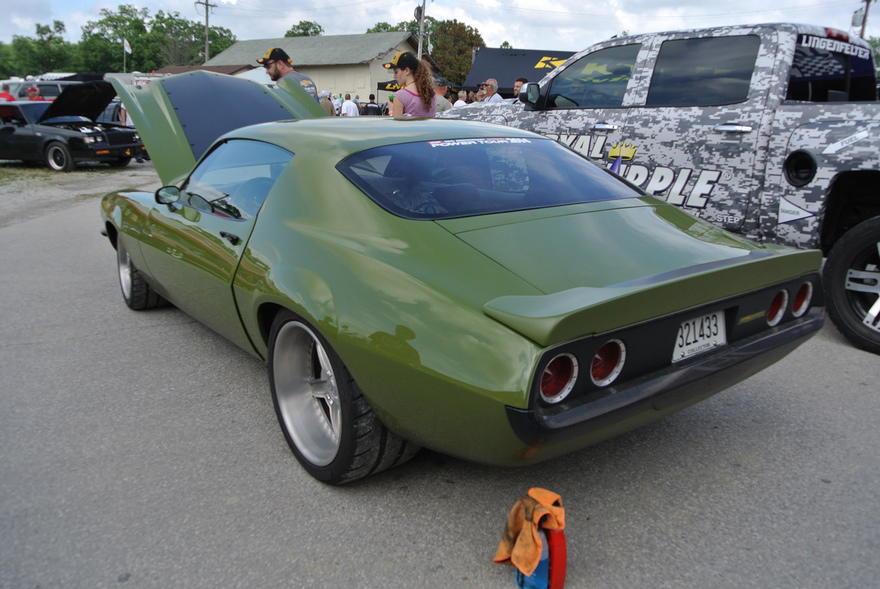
x: 268, y: 64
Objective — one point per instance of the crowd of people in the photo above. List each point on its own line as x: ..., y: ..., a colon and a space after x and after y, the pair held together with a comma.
x: 33, y: 94
x: 421, y: 93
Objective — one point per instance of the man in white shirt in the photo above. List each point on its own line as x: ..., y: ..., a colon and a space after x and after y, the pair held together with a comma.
x: 349, y: 108
x: 490, y: 89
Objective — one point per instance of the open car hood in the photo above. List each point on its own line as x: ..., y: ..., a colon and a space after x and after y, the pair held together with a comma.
x: 88, y: 99
x: 179, y: 117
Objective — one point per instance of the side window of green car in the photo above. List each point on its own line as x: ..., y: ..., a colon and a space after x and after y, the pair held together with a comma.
x: 235, y: 178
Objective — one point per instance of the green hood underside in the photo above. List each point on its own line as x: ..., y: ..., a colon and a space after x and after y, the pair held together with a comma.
x: 180, y: 117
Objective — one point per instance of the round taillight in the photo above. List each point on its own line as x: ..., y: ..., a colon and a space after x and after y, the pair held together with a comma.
x: 802, y: 298
x: 607, y: 362
x: 558, y: 378
x: 777, y: 308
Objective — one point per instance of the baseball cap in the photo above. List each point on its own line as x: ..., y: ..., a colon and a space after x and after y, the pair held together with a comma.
x: 274, y: 54
x: 402, y: 59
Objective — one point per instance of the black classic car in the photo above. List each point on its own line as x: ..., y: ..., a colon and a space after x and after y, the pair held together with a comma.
x: 64, y: 132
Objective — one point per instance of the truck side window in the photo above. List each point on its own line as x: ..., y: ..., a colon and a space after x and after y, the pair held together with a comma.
x: 703, y: 72
x: 822, y: 75
x: 596, y: 80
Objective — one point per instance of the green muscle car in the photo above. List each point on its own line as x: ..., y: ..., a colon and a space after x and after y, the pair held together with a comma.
x: 471, y: 288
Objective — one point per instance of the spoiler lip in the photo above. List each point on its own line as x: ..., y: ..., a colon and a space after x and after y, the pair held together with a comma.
x: 581, y: 311
x: 673, y: 387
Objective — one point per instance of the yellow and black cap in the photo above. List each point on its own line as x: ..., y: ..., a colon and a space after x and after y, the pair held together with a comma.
x: 274, y: 54
x: 402, y: 59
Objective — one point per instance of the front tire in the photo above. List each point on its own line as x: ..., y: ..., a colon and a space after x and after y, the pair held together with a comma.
x: 852, y: 285
x: 326, y: 420
x: 58, y: 158
x: 136, y: 292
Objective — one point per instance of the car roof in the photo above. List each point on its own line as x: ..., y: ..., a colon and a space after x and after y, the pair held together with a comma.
x: 343, y: 136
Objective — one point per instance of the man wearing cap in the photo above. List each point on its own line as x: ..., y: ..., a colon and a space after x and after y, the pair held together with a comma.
x: 441, y: 86
x: 34, y: 94
x: 279, y: 65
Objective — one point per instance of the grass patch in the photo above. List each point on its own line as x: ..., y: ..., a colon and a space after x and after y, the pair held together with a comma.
x: 10, y: 172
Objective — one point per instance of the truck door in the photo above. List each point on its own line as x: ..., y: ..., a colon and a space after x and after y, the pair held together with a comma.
x: 582, y: 106
x: 694, y: 139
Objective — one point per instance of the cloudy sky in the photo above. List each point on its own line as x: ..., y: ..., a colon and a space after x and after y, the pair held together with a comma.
x: 528, y: 24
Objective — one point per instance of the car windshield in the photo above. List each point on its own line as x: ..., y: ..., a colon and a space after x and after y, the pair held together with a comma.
x: 31, y: 111
x: 478, y: 176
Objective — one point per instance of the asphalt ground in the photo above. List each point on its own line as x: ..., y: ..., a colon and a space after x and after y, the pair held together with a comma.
x: 142, y: 450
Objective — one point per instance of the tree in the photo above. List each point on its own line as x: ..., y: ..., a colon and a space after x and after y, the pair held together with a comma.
x: 165, y: 39
x: 305, y: 28
x: 182, y: 42
x: 101, y: 44
x: 874, y: 42
x: 46, y: 53
x: 7, y: 68
x: 505, y: 45
x: 410, y: 26
x: 454, y: 43
x: 384, y: 27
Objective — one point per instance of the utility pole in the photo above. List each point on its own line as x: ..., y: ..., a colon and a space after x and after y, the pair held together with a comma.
x: 420, y: 15
x: 207, y: 4
x: 864, y: 19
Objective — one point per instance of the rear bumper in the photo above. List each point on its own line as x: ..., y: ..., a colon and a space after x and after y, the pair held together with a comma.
x: 659, y: 393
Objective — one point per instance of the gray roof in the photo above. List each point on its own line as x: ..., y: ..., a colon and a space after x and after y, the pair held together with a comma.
x: 320, y: 50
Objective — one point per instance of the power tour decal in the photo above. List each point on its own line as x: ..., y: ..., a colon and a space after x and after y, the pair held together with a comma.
x: 658, y: 181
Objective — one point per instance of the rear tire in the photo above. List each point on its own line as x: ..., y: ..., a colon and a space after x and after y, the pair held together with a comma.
x: 57, y: 157
x: 136, y: 292
x: 852, y: 285
x: 325, y: 418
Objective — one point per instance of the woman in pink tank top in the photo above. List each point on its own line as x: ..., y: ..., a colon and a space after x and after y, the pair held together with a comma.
x: 416, y: 96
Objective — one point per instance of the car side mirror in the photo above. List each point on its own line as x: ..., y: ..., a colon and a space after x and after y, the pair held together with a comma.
x: 531, y: 96
x: 168, y: 195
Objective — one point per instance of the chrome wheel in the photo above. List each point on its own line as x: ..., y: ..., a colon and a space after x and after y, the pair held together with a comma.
x: 852, y: 284
x: 307, y: 393
x: 58, y: 157
x: 123, y: 264
x: 863, y: 286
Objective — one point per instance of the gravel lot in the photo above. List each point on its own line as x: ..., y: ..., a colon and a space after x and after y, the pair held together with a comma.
x: 27, y: 192
x: 141, y: 450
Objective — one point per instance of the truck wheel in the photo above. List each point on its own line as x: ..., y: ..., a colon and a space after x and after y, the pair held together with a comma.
x: 58, y: 157
x: 325, y: 418
x: 852, y: 284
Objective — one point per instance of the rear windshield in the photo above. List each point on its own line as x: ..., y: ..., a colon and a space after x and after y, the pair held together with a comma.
x: 465, y: 177
x: 830, y: 70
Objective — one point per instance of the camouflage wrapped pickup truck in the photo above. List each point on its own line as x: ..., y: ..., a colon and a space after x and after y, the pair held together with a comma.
x: 770, y: 131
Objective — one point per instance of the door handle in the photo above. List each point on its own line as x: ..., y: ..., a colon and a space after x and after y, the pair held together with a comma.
x: 605, y: 127
x: 732, y: 128
x: 230, y: 237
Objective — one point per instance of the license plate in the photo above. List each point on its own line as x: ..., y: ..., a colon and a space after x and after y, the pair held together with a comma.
x: 699, y: 335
